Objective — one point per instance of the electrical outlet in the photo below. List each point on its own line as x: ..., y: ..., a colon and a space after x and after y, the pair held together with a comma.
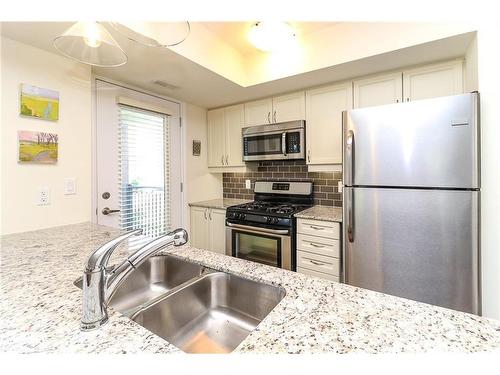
x: 70, y: 186
x: 43, y: 196
x: 340, y: 186
x: 248, y: 184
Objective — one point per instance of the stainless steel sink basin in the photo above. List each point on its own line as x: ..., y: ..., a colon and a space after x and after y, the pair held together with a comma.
x: 196, y: 309
x: 212, y: 314
x: 155, y: 277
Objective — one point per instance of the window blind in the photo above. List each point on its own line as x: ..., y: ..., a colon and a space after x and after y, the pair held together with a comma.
x: 144, y: 161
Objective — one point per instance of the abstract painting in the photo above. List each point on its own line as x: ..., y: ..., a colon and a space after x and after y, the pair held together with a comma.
x: 39, y: 102
x: 37, y: 147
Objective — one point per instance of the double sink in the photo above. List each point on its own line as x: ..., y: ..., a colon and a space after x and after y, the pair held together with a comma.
x: 195, y: 308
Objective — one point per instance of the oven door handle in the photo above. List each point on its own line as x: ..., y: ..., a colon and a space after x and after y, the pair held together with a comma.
x: 258, y: 229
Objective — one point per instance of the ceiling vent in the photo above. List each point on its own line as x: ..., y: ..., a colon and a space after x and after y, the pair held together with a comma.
x: 165, y: 85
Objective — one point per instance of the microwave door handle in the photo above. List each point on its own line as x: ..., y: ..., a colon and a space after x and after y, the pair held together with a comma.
x: 283, y: 143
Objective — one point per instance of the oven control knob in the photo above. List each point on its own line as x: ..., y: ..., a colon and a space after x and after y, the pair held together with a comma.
x: 241, y: 216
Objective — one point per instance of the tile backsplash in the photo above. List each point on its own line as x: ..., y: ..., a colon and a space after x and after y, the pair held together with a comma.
x: 325, y: 183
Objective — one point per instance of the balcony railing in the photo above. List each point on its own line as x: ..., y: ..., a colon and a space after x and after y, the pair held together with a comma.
x: 144, y: 207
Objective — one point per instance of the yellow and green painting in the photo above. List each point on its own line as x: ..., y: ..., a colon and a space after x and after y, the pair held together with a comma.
x: 38, y: 147
x: 39, y: 102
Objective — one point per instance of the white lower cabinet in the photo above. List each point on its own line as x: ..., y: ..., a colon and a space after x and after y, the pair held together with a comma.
x: 318, y: 248
x: 208, y: 229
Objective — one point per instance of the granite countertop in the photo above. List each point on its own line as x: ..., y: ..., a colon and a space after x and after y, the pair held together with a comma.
x: 40, y: 307
x: 325, y: 213
x: 221, y: 203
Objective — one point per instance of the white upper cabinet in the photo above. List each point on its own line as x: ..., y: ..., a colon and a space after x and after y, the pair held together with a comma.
x: 433, y: 80
x: 258, y: 112
x: 324, y: 108
x: 234, y: 120
x: 378, y: 90
x: 216, y: 138
x: 289, y: 107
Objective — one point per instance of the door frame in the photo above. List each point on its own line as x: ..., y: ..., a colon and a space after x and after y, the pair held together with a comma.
x: 94, y: 182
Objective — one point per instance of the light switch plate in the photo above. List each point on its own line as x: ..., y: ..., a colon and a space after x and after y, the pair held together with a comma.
x: 70, y: 186
x: 43, y: 196
x: 248, y: 184
x: 340, y: 186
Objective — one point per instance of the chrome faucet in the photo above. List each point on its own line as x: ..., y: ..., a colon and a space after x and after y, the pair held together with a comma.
x: 100, y: 282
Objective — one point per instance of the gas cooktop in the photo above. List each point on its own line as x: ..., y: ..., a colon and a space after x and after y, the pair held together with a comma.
x: 273, y: 208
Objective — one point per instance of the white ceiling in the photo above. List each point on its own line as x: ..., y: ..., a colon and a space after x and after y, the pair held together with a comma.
x: 199, y: 85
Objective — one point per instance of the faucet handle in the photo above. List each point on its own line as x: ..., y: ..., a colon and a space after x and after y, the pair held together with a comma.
x: 180, y: 236
x: 99, y: 258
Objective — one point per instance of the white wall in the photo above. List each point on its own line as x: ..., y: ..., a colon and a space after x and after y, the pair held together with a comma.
x: 488, y: 59
x: 24, y: 64
x: 200, y: 184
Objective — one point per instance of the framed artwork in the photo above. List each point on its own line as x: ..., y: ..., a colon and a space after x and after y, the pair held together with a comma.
x: 40, y: 103
x: 37, y: 147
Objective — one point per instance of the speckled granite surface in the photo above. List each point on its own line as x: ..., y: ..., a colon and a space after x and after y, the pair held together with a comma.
x: 40, y: 307
x: 222, y: 203
x: 325, y: 213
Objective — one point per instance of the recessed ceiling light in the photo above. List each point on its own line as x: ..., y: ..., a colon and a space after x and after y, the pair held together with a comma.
x: 271, y: 36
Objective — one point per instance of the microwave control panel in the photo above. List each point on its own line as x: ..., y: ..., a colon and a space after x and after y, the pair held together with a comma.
x: 293, y: 143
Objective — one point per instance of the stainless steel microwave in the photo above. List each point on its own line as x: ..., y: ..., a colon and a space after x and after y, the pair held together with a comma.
x: 281, y: 141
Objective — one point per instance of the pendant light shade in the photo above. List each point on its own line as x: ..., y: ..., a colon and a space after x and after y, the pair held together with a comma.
x: 90, y: 43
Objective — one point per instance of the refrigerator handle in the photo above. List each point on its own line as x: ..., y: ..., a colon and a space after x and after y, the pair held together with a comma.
x: 349, y: 156
x: 350, y: 213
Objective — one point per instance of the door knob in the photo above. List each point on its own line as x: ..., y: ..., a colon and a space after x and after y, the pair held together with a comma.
x: 107, y: 211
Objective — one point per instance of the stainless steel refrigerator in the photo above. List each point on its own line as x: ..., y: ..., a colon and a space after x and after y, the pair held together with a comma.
x: 411, y: 200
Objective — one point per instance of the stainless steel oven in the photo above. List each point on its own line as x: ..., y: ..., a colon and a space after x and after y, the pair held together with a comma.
x: 263, y: 245
x: 274, y: 142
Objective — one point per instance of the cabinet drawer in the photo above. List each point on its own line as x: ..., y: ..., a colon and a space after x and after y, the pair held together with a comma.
x: 318, y: 245
x: 319, y: 263
x: 328, y: 229
x: 321, y: 275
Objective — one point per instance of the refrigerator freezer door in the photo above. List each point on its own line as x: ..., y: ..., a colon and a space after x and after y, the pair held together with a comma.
x: 417, y: 244
x: 425, y: 143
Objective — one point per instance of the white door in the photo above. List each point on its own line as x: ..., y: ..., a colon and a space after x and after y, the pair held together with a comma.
x: 289, y: 107
x: 432, y: 81
x: 258, y: 112
x: 378, y: 90
x: 324, y: 108
x: 138, y: 160
x: 216, y: 138
x: 199, y: 228
x: 233, y: 122
x: 217, y: 231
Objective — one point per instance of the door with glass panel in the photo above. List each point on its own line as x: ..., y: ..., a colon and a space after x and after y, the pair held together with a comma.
x: 138, y: 160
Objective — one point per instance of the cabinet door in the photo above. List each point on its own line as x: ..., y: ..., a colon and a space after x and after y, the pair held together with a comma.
x: 434, y: 80
x: 234, y: 120
x: 378, y: 90
x: 258, y: 112
x: 289, y: 107
x: 217, y: 219
x: 324, y: 108
x: 199, y: 228
x: 216, y: 138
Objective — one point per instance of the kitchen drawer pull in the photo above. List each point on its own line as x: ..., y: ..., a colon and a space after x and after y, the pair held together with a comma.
x: 315, y: 245
x: 315, y: 227
x: 316, y: 262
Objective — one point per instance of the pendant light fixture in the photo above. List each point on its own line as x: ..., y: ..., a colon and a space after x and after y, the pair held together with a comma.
x: 90, y: 43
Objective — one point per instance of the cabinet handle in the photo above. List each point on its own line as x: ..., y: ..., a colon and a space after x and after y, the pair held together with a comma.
x: 316, y: 263
x: 308, y: 156
x: 397, y: 100
x: 205, y: 214
x: 210, y: 214
x: 407, y: 99
x: 274, y: 116
x: 317, y: 228
x: 222, y: 159
x: 269, y: 117
x: 227, y: 163
x: 315, y: 245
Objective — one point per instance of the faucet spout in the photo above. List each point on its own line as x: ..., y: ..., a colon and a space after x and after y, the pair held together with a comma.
x: 99, y: 285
